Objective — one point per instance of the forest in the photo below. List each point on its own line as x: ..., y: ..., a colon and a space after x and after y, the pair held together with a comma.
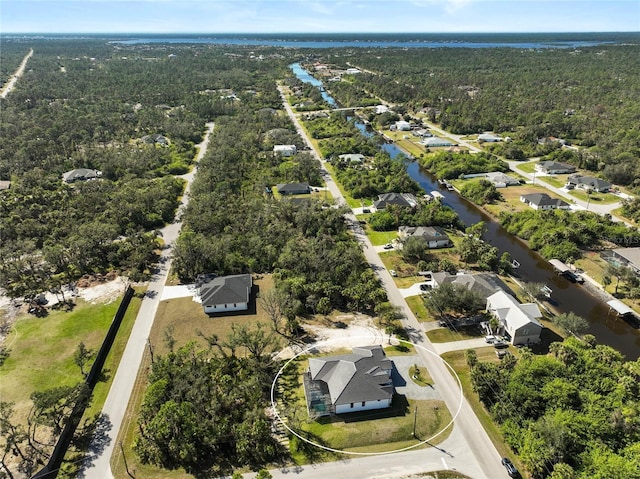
x: 571, y: 414
x: 91, y: 104
x: 587, y: 96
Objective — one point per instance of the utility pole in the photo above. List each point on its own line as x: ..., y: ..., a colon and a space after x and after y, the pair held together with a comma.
x: 150, y: 350
x: 415, y: 418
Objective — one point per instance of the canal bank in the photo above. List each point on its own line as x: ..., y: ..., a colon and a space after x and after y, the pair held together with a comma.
x: 565, y: 297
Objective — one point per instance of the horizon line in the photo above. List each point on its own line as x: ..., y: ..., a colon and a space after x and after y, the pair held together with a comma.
x: 326, y: 33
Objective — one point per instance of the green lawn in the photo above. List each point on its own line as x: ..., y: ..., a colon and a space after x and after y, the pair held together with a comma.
x: 379, y: 238
x: 552, y: 180
x: 416, y: 304
x: 42, y: 349
x: 528, y: 167
x: 595, y: 198
x: 446, y: 335
x: 384, y: 429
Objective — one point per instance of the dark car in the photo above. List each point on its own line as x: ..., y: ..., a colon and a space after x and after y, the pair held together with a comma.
x: 500, y: 345
x: 511, y: 469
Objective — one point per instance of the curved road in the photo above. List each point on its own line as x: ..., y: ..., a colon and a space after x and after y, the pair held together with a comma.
x: 124, y: 381
x: 468, y: 435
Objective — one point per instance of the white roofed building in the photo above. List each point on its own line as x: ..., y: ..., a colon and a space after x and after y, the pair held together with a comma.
x: 519, y: 321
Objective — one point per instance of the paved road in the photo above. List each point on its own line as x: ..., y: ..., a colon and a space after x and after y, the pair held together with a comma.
x: 11, y: 83
x: 124, y: 381
x: 470, y: 435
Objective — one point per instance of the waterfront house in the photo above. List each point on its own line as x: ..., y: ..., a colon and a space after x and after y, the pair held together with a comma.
x: 518, y: 321
x: 483, y: 284
x: 433, y: 236
x: 407, y: 200
x: 360, y: 381
x: 435, y: 142
x: 402, y: 125
x: 501, y: 180
x: 224, y: 294
x: 628, y: 257
x: 542, y: 201
x: 294, y: 189
x: 554, y: 168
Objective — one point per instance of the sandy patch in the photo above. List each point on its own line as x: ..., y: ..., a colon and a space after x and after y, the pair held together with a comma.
x: 104, y: 292
x: 360, y: 332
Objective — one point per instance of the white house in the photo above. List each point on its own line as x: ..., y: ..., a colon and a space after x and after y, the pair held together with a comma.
x: 380, y: 109
x: 435, y: 141
x: 488, y: 138
x: 360, y: 381
x: 501, y: 180
x: 226, y: 293
x: 433, y: 236
x: 402, y: 125
x: 352, y: 71
x: 352, y: 157
x: 519, y: 321
x: 542, y: 201
x: 285, y: 150
x: 554, y: 168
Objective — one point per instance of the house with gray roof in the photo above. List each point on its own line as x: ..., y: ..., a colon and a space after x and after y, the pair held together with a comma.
x: 629, y: 257
x: 407, y: 200
x: 542, y: 201
x: 501, y: 180
x: 554, y: 168
x: 483, y: 284
x: 294, y: 188
x: 518, y: 321
x: 225, y: 294
x: 433, y: 236
x: 360, y: 381
x: 589, y: 183
x: 81, y: 174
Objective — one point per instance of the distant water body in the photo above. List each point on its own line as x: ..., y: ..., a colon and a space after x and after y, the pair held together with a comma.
x: 512, y: 40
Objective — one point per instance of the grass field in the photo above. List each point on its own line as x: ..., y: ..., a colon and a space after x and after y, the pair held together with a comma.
x: 416, y: 304
x: 446, y: 335
x: 41, y: 351
x: 385, y: 429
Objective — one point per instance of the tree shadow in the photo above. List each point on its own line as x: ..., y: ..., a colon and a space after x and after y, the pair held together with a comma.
x: 90, y: 440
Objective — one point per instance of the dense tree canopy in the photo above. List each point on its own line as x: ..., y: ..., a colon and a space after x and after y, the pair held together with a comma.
x: 575, y: 410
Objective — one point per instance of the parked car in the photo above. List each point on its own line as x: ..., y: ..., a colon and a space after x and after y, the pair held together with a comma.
x: 425, y: 287
x: 511, y: 469
x: 500, y: 345
x: 388, y: 246
x: 366, y: 210
x: 490, y: 339
x: 393, y: 272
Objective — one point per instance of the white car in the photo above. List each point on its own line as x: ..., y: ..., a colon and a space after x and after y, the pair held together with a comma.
x: 388, y: 246
x: 393, y: 272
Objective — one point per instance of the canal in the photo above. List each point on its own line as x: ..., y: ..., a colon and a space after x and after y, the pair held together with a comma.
x: 566, y: 296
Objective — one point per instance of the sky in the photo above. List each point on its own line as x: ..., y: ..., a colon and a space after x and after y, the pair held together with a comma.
x: 318, y: 16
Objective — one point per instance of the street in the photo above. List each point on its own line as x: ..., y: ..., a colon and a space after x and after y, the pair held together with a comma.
x: 124, y: 381
x: 470, y: 434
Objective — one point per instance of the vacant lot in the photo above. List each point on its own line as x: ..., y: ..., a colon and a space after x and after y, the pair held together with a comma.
x: 41, y: 351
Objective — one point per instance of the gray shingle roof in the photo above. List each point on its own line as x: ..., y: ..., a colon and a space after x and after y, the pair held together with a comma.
x: 400, y: 199
x: 363, y: 375
x: 543, y: 199
x: 226, y: 290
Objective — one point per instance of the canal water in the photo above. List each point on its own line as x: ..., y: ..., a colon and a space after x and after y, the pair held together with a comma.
x: 566, y: 296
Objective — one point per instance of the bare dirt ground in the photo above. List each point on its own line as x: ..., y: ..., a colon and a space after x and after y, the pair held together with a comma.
x: 355, y: 330
x: 92, y: 289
